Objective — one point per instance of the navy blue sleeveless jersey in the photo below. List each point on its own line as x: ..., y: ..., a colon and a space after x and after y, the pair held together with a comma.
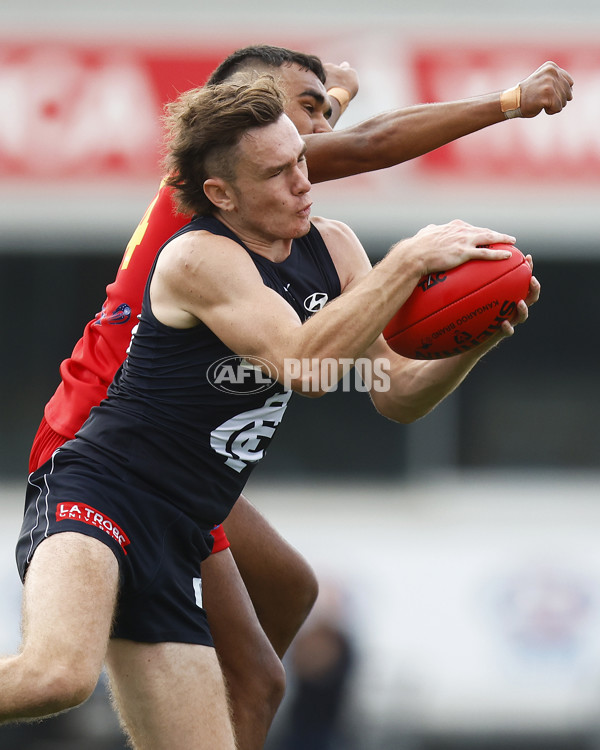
x: 185, y: 415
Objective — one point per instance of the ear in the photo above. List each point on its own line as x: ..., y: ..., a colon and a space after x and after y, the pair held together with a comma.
x: 219, y: 193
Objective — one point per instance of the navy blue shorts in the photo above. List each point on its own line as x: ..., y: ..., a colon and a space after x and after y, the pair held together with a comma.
x: 159, y: 548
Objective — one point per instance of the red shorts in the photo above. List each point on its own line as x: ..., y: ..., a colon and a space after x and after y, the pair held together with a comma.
x: 46, y: 441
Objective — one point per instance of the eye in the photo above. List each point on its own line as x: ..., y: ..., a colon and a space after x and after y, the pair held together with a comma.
x: 309, y: 106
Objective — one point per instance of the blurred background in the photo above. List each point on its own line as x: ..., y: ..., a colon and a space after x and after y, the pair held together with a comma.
x: 458, y: 557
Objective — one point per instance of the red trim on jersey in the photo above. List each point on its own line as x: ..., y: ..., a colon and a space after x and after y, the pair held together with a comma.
x: 220, y: 539
x: 87, y: 373
x: 45, y: 442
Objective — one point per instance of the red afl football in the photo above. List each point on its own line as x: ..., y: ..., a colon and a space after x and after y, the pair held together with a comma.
x: 453, y: 311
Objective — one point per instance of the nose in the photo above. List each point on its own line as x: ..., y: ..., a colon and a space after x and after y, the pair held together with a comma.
x: 302, y: 183
x: 321, y: 124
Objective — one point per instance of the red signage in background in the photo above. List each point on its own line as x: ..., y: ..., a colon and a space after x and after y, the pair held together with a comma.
x: 563, y: 147
x: 70, y: 111
x: 88, y: 113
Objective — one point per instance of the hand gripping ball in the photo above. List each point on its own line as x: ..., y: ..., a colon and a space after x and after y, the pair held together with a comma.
x: 453, y: 311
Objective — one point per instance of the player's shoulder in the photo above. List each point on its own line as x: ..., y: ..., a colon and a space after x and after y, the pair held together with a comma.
x: 203, y: 239
x: 345, y: 249
x: 198, y: 253
x: 332, y: 228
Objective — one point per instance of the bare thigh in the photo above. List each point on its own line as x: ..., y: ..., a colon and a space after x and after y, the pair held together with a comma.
x: 238, y: 636
x: 170, y: 696
x: 281, y: 583
x: 253, y: 673
x: 68, y: 605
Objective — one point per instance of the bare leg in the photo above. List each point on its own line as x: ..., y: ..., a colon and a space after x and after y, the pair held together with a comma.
x: 171, y: 696
x: 283, y: 589
x: 68, y: 605
x: 253, y: 672
x: 281, y: 584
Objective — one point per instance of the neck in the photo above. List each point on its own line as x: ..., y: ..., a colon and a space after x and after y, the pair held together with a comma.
x: 274, y: 249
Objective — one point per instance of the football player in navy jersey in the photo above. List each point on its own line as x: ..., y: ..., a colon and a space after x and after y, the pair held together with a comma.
x: 259, y: 591
x: 118, y: 521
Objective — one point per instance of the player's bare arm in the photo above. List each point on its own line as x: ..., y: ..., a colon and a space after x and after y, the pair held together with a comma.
x: 416, y: 386
x: 403, y: 134
x: 214, y: 280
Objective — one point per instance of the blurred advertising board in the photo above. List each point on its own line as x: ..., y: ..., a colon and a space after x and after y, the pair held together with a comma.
x: 80, y: 133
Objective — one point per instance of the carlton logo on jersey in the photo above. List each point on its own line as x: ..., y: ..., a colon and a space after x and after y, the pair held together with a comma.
x: 244, y: 438
x: 316, y: 301
x: 240, y: 377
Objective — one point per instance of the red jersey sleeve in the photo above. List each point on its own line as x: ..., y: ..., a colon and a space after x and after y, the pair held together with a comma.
x: 87, y: 373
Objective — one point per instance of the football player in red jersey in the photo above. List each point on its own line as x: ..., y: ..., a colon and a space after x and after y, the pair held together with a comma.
x: 254, y: 617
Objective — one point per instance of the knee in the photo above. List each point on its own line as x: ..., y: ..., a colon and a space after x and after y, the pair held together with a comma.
x: 61, y: 686
x: 260, y: 687
x: 274, y: 683
x: 306, y: 592
x: 312, y: 590
x: 295, y: 604
x: 268, y: 689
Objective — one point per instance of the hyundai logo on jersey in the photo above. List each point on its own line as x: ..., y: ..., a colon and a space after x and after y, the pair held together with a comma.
x: 315, y: 302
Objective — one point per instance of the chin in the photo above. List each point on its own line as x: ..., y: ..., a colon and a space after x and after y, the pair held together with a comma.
x: 303, y: 230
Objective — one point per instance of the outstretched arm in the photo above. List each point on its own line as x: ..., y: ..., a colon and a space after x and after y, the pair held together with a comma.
x: 403, y: 134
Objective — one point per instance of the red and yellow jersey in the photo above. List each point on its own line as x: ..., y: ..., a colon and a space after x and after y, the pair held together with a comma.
x: 87, y: 373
